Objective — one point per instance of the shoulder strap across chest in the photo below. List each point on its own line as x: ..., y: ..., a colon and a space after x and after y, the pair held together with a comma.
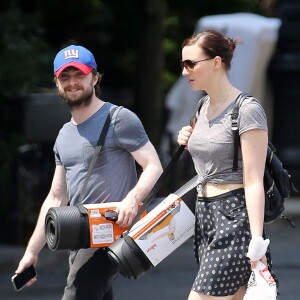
x: 235, y: 129
x: 197, y: 110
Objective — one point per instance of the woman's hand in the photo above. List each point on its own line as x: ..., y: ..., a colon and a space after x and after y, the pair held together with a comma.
x: 184, y: 135
x: 263, y: 260
x: 257, y: 250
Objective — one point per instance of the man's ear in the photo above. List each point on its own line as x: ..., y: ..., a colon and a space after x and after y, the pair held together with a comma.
x: 96, y: 78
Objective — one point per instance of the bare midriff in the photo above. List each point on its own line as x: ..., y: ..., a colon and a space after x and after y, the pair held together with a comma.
x: 215, y: 189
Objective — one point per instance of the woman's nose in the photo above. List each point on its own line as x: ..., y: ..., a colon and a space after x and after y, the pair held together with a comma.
x: 184, y: 72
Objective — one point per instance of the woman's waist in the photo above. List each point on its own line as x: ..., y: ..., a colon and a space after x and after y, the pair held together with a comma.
x: 214, y: 189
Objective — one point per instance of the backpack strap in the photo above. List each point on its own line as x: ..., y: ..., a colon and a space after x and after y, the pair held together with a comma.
x: 197, y: 110
x: 189, y: 185
x: 234, y: 123
x: 235, y: 129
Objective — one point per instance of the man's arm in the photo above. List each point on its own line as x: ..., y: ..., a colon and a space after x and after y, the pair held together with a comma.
x: 148, y: 159
x: 57, y: 196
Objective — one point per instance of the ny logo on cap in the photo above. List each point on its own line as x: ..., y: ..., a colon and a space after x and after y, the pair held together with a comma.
x: 71, y: 53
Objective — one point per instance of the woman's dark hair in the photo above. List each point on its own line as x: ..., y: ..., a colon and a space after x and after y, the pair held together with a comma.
x: 214, y: 44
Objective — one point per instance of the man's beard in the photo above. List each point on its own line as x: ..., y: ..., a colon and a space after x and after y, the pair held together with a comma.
x: 84, y: 100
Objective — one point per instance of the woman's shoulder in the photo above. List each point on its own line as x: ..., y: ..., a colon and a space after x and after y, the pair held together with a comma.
x: 250, y: 100
x: 252, y: 115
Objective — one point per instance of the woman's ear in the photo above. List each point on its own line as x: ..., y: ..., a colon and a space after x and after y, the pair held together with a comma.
x: 217, y: 61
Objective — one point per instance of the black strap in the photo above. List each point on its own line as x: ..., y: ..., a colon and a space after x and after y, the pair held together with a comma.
x: 197, y: 110
x: 157, y: 186
x: 98, y: 148
x: 235, y: 130
x: 167, y: 170
x: 234, y: 123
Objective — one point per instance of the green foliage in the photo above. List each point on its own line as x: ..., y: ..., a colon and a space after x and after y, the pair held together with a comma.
x: 24, y: 64
x: 31, y: 32
x: 24, y: 54
x: 181, y: 20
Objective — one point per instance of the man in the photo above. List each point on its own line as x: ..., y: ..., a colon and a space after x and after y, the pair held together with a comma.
x: 114, y: 175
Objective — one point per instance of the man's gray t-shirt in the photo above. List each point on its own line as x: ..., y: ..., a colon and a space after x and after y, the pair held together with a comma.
x: 114, y: 173
x: 212, y: 146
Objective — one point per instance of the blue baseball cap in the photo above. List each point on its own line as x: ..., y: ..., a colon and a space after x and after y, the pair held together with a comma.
x: 74, y: 56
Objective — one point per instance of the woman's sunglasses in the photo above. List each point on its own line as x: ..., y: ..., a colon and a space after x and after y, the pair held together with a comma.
x: 189, y: 64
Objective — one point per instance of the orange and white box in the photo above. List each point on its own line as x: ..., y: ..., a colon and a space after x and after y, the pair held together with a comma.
x: 164, y: 229
x: 103, y: 232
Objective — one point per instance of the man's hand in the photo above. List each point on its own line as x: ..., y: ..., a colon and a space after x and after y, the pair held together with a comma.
x: 27, y: 260
x: 127, y: 210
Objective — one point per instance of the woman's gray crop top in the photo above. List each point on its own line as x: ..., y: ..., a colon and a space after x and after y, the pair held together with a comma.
x: 211, y: 143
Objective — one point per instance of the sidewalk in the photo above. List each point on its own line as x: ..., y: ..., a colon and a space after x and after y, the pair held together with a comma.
x: 170, y: 280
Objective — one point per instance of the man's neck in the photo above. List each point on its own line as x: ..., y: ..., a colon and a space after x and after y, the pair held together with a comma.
x: 82, y: 113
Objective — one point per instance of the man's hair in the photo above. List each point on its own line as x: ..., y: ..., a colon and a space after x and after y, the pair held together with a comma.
x: 97, y: 85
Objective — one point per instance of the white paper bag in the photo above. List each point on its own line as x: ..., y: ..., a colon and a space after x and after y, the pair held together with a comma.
x: 261, y: 284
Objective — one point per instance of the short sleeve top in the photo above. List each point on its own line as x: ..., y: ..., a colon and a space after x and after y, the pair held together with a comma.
x: 114, y: 173
x: 211, y: 144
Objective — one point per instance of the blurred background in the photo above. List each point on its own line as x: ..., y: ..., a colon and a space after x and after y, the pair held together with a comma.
x: 137, y: 45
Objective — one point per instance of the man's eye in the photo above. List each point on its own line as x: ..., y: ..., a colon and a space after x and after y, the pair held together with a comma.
x: 62, y: 77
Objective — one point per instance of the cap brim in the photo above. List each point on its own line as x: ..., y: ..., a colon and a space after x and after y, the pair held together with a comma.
x: 82, y: 67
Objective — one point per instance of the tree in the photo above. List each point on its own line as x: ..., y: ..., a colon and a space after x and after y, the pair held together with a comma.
x: 149, y: 80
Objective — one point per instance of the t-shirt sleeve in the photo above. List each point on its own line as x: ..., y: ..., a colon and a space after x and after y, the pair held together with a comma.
x: 129, y: 130
x: 252, y: 116
x: 56, y: 155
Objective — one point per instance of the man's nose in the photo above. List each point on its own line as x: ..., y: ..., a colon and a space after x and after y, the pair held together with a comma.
x: 73, y: 80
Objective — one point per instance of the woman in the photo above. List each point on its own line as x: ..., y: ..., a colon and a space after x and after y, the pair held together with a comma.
x: 230, y: 204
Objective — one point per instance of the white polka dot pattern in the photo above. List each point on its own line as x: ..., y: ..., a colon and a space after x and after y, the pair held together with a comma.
x: 222, y: 236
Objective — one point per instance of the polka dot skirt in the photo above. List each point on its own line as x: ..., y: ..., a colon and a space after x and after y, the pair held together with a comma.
x: 221, y: 240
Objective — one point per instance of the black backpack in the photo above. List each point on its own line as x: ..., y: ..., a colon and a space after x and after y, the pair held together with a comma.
x: 278, y: 185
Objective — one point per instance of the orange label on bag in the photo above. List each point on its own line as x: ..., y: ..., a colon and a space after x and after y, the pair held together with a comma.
x: 103, y: 232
